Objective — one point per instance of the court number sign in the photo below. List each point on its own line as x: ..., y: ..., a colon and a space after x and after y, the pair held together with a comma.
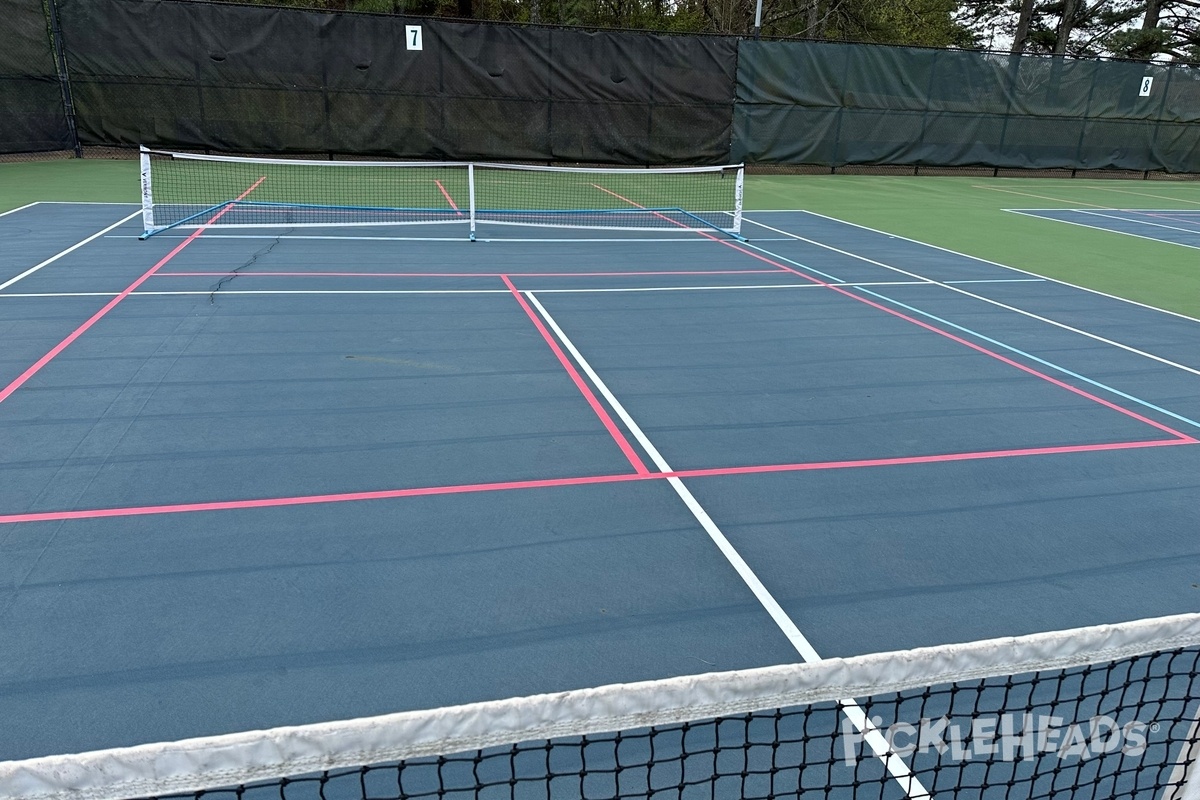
x: 1147, y: 82
x: 412, y: 36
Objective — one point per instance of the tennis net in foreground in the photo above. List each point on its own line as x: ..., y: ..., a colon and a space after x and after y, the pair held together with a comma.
x: 182, y: 189
x: 1102, y: 712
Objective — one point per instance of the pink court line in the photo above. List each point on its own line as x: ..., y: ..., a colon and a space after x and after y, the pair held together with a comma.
x: 111, y: 304
x: 446, y: 195
x: 591, y: 480
x: 1183, y: 437
x: 633, y: 273
x: 586, y: 390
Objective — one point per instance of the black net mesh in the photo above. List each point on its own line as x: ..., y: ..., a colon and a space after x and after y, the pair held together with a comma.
x: 189, y: 189
x: 1119, y: 728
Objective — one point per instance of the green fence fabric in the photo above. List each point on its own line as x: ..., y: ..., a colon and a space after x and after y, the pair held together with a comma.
x: 834, y: 104
x: 256, y: 79
x: 32, y: 116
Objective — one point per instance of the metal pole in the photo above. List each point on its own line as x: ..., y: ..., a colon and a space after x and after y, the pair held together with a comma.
x: 758, y: 18
x: 64, y: 79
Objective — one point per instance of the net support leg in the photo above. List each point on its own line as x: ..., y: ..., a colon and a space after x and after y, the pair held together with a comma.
x: 147, y: 194
x: 471, y: 196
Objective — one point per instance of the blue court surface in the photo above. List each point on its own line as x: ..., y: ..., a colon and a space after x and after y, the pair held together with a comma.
x: 254, y: 478
x: 1175, y: 226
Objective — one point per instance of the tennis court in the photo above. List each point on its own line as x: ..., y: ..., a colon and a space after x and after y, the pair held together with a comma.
x: 272, y: 476
x: 1174, y: 225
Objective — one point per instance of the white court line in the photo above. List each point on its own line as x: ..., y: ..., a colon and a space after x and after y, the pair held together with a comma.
x: 18, y: 208
x: 208, y: 292
x: 694, y: 240
x: 59, y: 294
x: 909, y: 783
x: 1004, y: 266
x: 1140, y: 222
x: 737, y: 286
x: 731, y: 287
x: 84, y: 203
x: 1027, y: 213
x: 70, y: 249
x: 1032, y: 357
x: 1145, y: 194
x: 996, y: 303
x: 999, y: 280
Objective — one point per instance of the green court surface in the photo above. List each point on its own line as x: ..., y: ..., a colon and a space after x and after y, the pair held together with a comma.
x: 961, y: 213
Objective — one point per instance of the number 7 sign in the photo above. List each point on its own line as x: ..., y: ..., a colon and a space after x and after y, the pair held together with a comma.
x: 412, y: 36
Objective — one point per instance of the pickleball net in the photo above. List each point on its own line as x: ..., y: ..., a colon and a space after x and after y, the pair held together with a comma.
x: 191, y: 190
x: 1102, y: 712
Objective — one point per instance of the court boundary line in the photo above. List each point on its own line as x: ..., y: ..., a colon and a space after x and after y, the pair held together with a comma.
x: 446, y: 195
x: 732, y: 287
x: 1059, y: 368
x: 581, y: 290
x: 762, y: 256
x: 587, y: 480
x: 676, y: 239
x: 65, y: 252
x: 626, y: 448
x: 1038, y: 359
x: 893, y: 762
x: 1144, y: 194
x: 86, y: 203
x: 763, y: 252
x: 18, y: 208
x: 999, y: 304
x: 1038, y: 196
x: 982, y: 260
x: 1141, y: 222
x: 1175, y: 215
x: 53, y: 353
x: 1028, y: 212
x: 333, y: 274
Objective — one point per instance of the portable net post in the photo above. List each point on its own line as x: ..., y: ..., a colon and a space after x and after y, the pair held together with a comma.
x: 147, y: 193
x: 471, y: 196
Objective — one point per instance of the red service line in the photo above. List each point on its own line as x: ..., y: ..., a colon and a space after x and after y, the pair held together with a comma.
x: 580, y: 383
x: 1183, y: 437
x: 449, y: 199
x: 590, y: 480
x: 111, y: 304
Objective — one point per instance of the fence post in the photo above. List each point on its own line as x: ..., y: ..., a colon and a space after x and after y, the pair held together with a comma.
x: 64, y: 80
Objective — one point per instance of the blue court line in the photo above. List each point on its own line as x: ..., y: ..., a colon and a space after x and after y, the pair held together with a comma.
x: 1032, y: 357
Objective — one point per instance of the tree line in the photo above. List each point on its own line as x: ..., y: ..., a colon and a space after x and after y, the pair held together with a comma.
x: 1148, y: 30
